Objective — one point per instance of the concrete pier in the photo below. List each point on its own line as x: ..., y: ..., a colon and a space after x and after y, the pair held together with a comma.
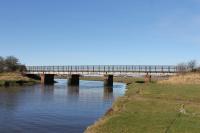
x: 147, y: 78
x: 47, y: 78
x: 74, y: 80
x: 108, y: 80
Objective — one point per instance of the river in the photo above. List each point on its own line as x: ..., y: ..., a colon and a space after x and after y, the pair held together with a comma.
x: 57, y: 108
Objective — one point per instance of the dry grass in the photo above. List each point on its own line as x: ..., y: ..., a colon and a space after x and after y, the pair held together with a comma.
x: 12, y: 77
x: 188, y: 78
x: 15, y: 79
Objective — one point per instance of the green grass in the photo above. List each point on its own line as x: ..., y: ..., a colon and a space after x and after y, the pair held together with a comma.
x: 154, y: 108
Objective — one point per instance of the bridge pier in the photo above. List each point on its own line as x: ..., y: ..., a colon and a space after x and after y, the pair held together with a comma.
x: 147, y: 78
x: 74, y: 80
x: 108, y: 80
x: 47, y: 78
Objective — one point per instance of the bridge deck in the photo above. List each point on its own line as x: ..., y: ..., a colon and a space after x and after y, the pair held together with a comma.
x: 103, y: 69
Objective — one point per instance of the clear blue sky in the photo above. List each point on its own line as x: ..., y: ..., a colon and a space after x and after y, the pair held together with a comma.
x: 63, y: 32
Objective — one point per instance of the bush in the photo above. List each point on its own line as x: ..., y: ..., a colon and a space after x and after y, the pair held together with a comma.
x: 22, y: 68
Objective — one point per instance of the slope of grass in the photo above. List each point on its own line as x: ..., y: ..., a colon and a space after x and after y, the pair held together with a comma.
x: 12, y: 79
x: 154, y: 108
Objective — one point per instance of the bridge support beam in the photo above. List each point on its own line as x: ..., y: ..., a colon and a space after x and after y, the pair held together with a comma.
x: 108, y: 80
x: 47, y: 78
x: 74, y: 80
x: 147, y: 78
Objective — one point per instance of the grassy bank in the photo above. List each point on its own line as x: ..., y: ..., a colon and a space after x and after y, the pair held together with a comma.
x: 15, y: 79
x: 162, y: 107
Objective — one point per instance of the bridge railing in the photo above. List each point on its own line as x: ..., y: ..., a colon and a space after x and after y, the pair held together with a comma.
x: 104, y: 68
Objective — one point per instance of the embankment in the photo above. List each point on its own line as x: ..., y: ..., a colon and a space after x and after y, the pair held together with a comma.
x: 15, y: 79
x: 162, y: 106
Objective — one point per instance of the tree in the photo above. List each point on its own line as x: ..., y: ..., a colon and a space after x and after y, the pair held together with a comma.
x: 11, y: 63
x: 2, y: 65
x: 192, y: 65
x: 21, y: 68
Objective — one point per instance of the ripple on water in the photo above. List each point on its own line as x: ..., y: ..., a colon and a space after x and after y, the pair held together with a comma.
x: 57, y: 108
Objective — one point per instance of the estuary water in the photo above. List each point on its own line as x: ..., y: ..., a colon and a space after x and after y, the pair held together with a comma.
x: 57, y: 108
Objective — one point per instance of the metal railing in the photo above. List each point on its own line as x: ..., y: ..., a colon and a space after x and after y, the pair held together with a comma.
x: 105, y: 68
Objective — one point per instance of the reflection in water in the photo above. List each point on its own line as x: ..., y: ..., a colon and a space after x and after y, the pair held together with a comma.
x: 8, y: 98
x: 108, y: 92
x: 73, y: 90
x: 47, y: 89
x: 55, y: 108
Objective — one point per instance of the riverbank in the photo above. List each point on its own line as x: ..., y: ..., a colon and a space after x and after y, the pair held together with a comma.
x: 163, y: 106
x: 15, y: 79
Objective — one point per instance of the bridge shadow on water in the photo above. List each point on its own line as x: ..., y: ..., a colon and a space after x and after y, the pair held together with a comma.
x: 73, y: 90
x: 108, y: 92
x: 47, y: 89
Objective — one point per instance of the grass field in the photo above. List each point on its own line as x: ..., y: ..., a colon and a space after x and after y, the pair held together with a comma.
x: 161, y: 107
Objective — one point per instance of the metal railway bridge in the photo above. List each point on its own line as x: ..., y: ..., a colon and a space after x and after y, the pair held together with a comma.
x: 47, y: 72
x: 102, y: 69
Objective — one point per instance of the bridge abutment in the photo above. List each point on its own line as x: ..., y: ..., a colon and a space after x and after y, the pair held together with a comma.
x: 147, y: 78
x: 47, y: 78
x: 108, y: 80
x: 74, y: 80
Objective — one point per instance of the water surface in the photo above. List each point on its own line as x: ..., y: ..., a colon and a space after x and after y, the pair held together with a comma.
x: 58, y: 108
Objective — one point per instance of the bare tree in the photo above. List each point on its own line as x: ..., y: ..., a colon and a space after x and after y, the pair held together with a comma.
x: 192, y: 65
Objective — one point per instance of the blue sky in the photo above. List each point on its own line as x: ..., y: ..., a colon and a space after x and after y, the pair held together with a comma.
x: 73, y: 32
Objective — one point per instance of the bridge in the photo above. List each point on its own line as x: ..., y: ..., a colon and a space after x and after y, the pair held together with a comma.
x: 108, y: 71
